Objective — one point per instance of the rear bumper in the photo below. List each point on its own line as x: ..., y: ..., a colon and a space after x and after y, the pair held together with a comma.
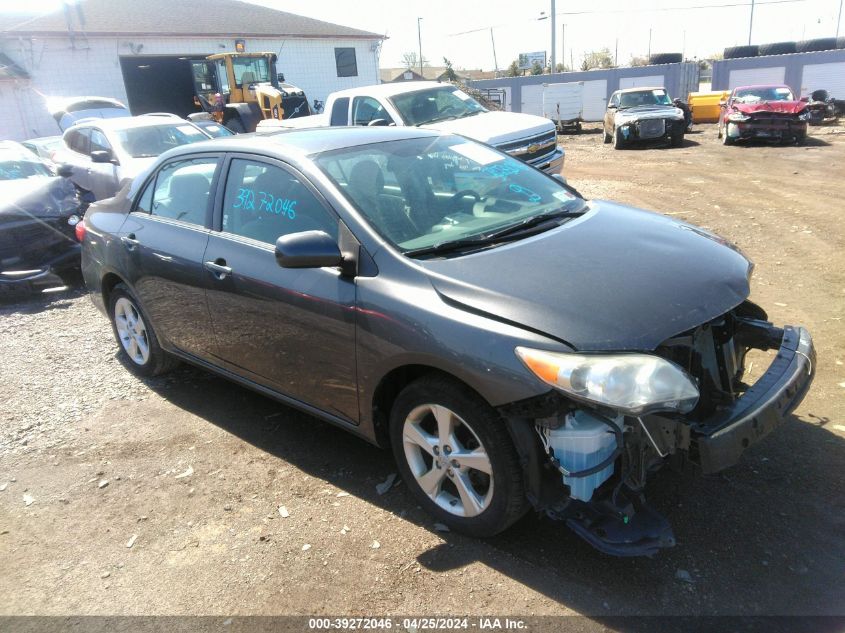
x: 721, y: 441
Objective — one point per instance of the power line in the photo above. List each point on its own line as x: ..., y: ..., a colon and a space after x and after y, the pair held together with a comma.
x: 653, y: 10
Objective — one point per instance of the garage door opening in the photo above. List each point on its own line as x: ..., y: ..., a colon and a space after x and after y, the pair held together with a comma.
x: 158, y: 83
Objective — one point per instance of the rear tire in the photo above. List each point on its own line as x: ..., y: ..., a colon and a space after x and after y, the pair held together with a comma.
x: 678, y: 140
x: 137, y: 343
x: 473, y: 483
x: 726, y: 140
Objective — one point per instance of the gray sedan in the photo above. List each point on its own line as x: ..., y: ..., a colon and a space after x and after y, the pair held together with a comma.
x: 515, y: 345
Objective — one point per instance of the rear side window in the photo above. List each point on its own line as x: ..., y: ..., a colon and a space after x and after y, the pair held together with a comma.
x: 264, y: 201
x: 99, y: 141
x: 181, y: 190
x: 340, y: 111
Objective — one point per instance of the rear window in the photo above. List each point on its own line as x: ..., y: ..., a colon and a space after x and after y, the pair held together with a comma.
x: 153, y: 140
x: 93, y: 105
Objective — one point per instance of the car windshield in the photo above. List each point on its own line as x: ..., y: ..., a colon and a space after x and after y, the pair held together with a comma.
x: 250, y: 70
x: 20, y: 168
x: 435, y: 104
x: 214, y: 129
x: 152, y: 140
x: 765, y: 93
x: 644, y: 98
x: 426, y: 192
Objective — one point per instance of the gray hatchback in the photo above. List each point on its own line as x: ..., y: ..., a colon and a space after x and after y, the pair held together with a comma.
x: 515, y: 345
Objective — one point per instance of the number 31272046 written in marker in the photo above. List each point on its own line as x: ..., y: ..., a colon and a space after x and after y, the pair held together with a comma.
x: 267, y: 203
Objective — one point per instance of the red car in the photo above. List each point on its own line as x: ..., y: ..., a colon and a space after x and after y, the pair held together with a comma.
x: 764, y: 112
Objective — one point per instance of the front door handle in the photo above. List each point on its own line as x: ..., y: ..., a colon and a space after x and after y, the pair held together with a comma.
x: 218, y: 268
x: 129, y: 241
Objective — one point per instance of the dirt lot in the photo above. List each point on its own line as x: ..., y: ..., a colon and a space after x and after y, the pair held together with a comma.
x: 162, y: 497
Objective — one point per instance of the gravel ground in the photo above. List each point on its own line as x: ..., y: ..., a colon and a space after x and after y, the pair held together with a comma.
x: 123, y: 496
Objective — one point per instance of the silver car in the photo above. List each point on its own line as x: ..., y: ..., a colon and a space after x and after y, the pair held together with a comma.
x: 106, y: 153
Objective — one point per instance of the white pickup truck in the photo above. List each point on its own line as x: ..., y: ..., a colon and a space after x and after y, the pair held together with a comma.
x: 442, y: 107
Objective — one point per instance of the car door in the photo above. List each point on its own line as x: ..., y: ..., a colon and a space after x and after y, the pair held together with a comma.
x: 164, y: 238
x: 292, y: 330
x: 103, y: 177
x: 76, y: 154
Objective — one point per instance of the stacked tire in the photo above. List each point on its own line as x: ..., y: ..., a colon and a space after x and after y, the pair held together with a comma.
x: 819, y: 44
x: 736, y: 52
x: 778, y: 48
x: 666, y: 58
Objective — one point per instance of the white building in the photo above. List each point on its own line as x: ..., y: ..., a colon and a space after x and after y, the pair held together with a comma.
x: 138, y: 52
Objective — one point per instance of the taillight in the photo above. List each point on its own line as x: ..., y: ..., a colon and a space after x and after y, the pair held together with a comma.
x: 80, y: 229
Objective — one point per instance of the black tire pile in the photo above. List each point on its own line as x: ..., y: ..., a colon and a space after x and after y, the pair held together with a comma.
x: 785, y: 48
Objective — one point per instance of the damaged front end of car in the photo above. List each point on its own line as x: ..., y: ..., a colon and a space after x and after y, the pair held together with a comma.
x: 589, y: 445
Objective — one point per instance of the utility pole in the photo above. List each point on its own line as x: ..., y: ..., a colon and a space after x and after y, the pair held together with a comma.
x: 563, y: 48
x: 495, y: 63
x: 649, y: 44
x: 616, y: 53
x: 839, y: 19
x: 419, y: 39
x: 751, y: 23
x: 552, y: 62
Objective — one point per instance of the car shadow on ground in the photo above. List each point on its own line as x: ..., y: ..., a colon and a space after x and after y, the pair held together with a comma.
x: 810, y: 141
x: 25, y: 302
x: 765, y: 537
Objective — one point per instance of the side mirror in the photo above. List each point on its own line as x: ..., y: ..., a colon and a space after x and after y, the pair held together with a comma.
x: 611, y: 106
x: 308, y: 249
x: 101, y: 156
x: 64, y: 170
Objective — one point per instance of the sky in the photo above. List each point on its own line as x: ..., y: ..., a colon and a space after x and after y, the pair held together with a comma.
x: 697, y: 28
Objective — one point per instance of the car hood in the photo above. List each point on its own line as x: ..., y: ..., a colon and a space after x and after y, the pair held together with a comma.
x: 42, y: 197
x: 616, y: 278
x: 781, y: 107
x: 638, y: 113
x: 495, y: 128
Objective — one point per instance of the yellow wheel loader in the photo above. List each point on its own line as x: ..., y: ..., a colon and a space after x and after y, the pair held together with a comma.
x: 240, y: 89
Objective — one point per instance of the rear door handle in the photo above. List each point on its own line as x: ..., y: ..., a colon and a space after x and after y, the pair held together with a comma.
x: 129, y: 241
x: 218, y: 268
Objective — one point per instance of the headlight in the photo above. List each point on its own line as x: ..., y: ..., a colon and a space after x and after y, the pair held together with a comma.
x: 737, y: 117
x: 634, y: 384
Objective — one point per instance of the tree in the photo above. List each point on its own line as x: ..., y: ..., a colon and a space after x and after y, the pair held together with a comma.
x: 450, y: 73
x: 598, y: 59
x: 513, y: 69
x: 411, y: 61
x: 638, y: 61
x: 560, y: 67
x: 536, y: 69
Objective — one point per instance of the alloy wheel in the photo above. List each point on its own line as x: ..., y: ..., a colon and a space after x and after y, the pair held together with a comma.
x: 131, y: 331
x: 447, y: 459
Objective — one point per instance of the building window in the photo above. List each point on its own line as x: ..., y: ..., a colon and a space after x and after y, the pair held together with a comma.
x: 347, y: 65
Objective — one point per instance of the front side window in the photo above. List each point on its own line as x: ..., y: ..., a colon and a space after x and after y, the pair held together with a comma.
x: 79, y: 140
x: 365, y: 110
x: 346, y: 62
x: 152, y: 140
x: 422, y: 192
x: 264, y: 202
x: 181, y: 190
x: 435, y: 104
x: 99, y: 143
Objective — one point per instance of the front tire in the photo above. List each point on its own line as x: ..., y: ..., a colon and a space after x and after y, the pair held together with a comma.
x: 607, y: 137
x: 618, y: 141
x: 457, y: 457
x: 136, y: 340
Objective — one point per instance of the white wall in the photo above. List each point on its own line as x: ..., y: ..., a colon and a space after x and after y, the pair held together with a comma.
x: 57, y: 70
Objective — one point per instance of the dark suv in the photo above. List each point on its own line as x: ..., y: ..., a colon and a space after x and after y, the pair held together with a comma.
x: 514, y: 344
